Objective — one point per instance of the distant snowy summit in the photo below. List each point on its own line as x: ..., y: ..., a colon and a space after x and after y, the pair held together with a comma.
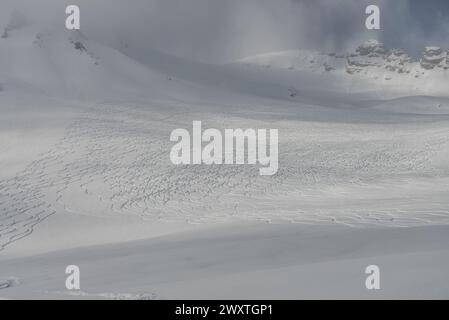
x: 371, y: 59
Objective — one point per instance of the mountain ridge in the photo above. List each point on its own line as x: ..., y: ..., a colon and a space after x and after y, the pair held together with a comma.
x: 369, y: 56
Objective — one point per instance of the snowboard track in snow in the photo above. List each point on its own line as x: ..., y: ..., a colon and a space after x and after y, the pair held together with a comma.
x: 115, y: 160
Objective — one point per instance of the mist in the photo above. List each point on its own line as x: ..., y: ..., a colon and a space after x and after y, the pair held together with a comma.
x: 219, y: 31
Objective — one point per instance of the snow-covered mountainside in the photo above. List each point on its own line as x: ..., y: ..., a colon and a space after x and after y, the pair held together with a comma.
x: 53, y: 61
x: 86, y: 177
x: 371, y: 61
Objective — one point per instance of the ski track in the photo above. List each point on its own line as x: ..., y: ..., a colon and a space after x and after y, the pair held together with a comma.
x: 117, y: 158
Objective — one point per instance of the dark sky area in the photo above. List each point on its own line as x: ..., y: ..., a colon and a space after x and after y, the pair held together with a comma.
x: 424, y: 23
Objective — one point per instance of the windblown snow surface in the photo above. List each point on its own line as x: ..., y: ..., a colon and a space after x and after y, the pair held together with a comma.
x: 86, y: 178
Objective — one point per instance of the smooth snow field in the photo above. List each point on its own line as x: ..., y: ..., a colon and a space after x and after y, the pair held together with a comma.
x: 86, y: 179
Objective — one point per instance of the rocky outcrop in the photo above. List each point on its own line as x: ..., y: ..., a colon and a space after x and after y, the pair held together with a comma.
x: 371, y: 59
x: 373, y: 53
x: 371, y: 48
x: 434, y: 57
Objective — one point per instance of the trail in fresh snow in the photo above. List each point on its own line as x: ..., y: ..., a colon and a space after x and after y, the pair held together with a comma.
x: 114, y: 159
x: 84, y: 151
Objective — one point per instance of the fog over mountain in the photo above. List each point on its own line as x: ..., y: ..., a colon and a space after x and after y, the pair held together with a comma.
x: 216, y: 30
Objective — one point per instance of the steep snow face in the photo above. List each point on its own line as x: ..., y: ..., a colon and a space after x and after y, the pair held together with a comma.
x: 41, y: 60
x: 376, y: 66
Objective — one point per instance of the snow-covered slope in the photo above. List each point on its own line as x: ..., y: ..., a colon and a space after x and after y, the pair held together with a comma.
x: 245, y: 262
x: 54, y: 61
x: 86, y: 177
